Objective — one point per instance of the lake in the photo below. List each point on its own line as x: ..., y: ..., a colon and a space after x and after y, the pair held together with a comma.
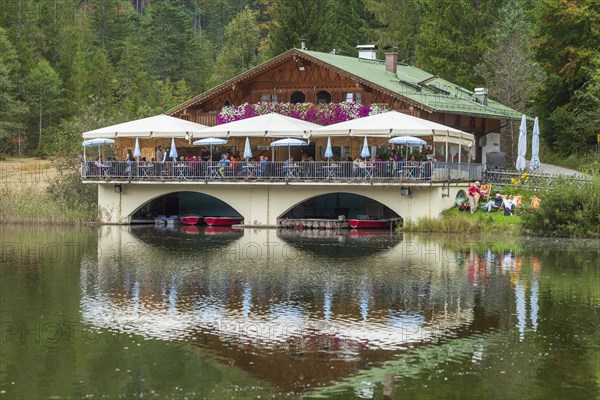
x: 130, y: 312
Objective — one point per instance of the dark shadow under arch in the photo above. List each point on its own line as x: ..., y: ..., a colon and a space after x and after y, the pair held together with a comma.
x: 184, y: 203
x: 332, y: 205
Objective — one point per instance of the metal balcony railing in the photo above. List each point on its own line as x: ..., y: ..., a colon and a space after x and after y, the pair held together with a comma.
x: 398, y: 171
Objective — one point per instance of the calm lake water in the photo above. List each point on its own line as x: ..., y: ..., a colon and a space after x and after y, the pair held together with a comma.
x: 131, y: 312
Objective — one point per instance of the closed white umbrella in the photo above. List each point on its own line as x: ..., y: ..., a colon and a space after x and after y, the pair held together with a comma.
x: 289, y: 142
x: 365, y: 153
x: 247, y: 149
x: 136, y: 150
x: 173, y: 152
x: 328, y: 150
x: 522, y: 149
x: 535, y: 146
x: 210, y: 141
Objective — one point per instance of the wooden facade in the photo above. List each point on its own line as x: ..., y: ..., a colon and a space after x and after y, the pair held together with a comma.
x: 296, y: 77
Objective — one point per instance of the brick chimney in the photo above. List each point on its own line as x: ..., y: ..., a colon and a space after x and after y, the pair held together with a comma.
x: 391, y: 62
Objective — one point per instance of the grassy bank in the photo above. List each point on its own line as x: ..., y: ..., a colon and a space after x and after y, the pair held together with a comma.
x: 45, y: 193
x: 33, y: 204
x: 455, y: 221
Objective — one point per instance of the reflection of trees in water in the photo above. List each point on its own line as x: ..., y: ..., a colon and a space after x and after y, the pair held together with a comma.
x: 370, y: 303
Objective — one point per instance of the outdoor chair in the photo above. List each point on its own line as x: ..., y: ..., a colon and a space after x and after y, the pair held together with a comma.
x: 485, y: 191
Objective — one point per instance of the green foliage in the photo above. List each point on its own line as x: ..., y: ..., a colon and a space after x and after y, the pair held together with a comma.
x: 456, y: 221
x: 129, y: 59
x: 453, y: 36
x: 569, y: 208
x: 67, y: 187
x: 508, y: 66
x: 400, y: 22
x: 567, y: 45
x: 43, y: 93
x: 294, y: 20
x: 239, y: 51
x: 170, y: 46
x: 11, y: 108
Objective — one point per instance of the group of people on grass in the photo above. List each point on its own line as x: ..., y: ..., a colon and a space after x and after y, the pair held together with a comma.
x: 497, y: 203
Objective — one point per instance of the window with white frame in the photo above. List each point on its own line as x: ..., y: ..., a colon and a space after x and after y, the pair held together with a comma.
x: 354, y: 97
x: 268, y: 98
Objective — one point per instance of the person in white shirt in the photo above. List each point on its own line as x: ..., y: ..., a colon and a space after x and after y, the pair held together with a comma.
x: 509, y: 205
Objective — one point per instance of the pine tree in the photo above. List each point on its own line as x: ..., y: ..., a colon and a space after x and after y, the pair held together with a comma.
x: 167, y: 35
x: 43, y: 91
x: 240, y: 49
x: 508, y: 66
x: 399, y: 25
x: 453, y: 36
x: 11, y: 108
x: 352, y: 23
x: 567, y: 46
x: 294, y: 20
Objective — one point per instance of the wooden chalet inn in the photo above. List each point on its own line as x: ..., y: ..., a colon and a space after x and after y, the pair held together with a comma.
x: 300, y: 75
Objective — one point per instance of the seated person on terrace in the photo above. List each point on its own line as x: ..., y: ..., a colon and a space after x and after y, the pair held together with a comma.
x: 495, y: 204
x: 287, y: 166
x: 224, y: 163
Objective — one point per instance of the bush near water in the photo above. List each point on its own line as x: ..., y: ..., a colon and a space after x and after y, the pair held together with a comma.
x: 569, y: 208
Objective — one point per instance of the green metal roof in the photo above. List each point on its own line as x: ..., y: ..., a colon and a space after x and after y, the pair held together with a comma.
x: 436, y: 94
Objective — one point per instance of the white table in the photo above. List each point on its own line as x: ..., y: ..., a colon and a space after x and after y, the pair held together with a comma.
x: 331, y: 171
x: 213, y: 171
x: 144, y: 170
x: 180, y: 171
x: 369, y: 171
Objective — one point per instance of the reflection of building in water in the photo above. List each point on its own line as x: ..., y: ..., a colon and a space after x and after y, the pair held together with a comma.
x: 512, y: 265
x: 264, y: 297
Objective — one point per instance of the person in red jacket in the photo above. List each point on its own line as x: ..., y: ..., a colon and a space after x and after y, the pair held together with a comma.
x: 474, y: 195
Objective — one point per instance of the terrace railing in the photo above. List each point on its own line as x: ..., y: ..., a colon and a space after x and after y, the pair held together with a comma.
x: 280, y: 171
x: 527, y: 178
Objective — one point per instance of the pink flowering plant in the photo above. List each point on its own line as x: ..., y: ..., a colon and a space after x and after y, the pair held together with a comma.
x: 322, y: 114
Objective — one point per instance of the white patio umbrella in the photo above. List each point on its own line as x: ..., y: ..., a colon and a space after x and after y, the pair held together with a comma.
x: 136, y: 150
x: 289, y: 142
x: 96, y: 142
x: 173, y: 151
x: 210, y: 142
x: 247, y: 149
x: 522, y: 148
x: 158, y: 126
x: 535, y: 146
x: 328, y: 150
x: 365, y: 153
x: 408, y: 141
x: 385, y: 125
x: 268, y: 125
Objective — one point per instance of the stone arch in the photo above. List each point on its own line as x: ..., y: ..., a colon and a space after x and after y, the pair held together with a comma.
x: 366, y: 197
x: 130, y: 209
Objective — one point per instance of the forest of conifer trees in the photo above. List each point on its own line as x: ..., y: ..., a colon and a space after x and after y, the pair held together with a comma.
x: 67, y: 66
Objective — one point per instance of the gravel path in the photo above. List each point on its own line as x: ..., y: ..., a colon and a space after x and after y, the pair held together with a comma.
x: 556, y: 170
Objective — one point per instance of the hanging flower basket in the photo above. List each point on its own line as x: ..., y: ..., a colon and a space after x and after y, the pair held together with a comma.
x: 322, y: 114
